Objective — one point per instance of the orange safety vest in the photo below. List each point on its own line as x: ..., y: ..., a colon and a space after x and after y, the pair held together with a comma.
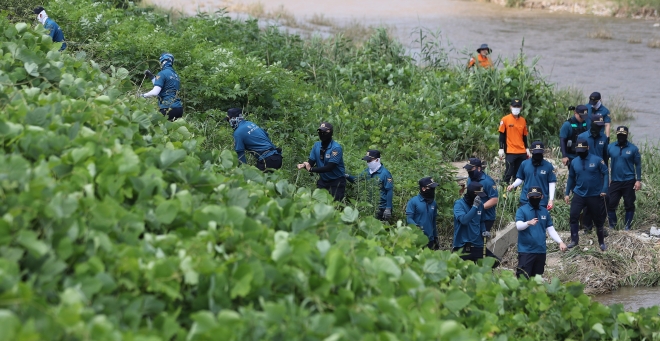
x: 483, y: 61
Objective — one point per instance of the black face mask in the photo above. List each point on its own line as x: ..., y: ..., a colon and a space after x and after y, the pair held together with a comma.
x: 475, y: 175
x: 469, y: 197
x: 428, y: 195
x: 535, y: 202
x: 595, y: 130
x: 325, y: 137
x: 583, y: 155
x: 537, y: 159
x: 622, y: 139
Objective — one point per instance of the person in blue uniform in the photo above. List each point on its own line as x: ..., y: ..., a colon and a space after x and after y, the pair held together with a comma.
x: 327, y: 159
x: 422, y: 211
x: 595, y: 106
x: 380, y: 177
x: 250, y: 138
x: 588, y: 180
x: 626, y: 169
x: 568, y: 134
x: 469, y: 230
x: 597, y: 142
x: 536, y: 172
x: 533, y: 221
x: 166, y: 88
x: 475, y: 172
x: 53, y: 28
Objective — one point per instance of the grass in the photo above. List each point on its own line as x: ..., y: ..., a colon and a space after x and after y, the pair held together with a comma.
x: 640, y: 8
x: 601, y: 33
x: 321, y: 20
x: 634, y: 40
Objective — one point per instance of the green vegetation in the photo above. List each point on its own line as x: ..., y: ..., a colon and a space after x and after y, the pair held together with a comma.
x: 119, y: 225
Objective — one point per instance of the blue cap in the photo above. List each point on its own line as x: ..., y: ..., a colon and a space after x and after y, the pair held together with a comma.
x: 484, y: 47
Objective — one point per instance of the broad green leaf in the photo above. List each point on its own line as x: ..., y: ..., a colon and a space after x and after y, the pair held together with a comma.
x: 282, y: 247
x: 9, y: 324
x: 456, y: 300
x: 336, y: 271
x: 598, y: 327
x: 28, y: 239
x: 323, y: 211
x: 32, y: 69
x: 387, y: 265
x: 169, y: 157
x: 167, y: 211
x: 349, y: 215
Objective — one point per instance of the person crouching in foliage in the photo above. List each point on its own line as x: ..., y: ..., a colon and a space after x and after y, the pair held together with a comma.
x: 166, y: 87
x: 469, y: 230
x: 532, y: 222
x: 53, y: 28
x: 327, y: 159
x: 422, y: 211
x: 379, y: 175
x: 249, y: 137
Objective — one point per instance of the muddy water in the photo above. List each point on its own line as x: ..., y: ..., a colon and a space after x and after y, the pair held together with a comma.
x: 613, y: 67
x: 632, y: 298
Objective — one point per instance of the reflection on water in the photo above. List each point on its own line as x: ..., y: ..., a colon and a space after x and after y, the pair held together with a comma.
x: 613, y: 67
x: 632, y: 298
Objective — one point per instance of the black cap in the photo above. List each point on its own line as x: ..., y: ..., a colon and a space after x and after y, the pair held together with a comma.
x: 594, y: 97
x: 325, y: 127
x: 427, y: 182
x: 581, y: 146
x: 623, y: 130
x: 473, y: 162
x: 598, y: 120
x: 37, y: 10
x: 234, y: 112
x: 537, y: 147
x: 484, y: 47
x: 535, y: 192
x: 581, y: 110
x: 371, y: 154
x: 477, y: 188
x: 516, y: 103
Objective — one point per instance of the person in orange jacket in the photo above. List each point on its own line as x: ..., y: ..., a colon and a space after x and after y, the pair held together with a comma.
x: 482, y: 57
x: 513, y: 141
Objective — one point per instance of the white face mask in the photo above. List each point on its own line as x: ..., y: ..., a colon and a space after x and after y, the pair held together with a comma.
x: 373, y: 166
x: 42, y: 16
x: 597, y: 105
x: 515, y: 111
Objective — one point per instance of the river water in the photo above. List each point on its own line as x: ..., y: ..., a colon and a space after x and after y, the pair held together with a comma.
x: 614, y: 67
x: 632, y: 298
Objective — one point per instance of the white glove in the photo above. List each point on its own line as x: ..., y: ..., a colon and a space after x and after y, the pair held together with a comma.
x: 477, y: 202
x: 529, y: 154
x: 500, y: 152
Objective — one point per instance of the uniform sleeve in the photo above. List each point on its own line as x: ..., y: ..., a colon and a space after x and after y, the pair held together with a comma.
x: 471, y: 62
x: 160, y: 79
x: 606, y: 116
x: 552, y: 176
x: 491, y: 190
x: 312, y: 156
x: 239, y: 147
x: 606, y: 176
x: 606, y: 156
x: 525, y: 131
x: 570, y: 183
x: 638, y: 165
x: 565, y: 130
x: 502, y: 128
x: 520, y: 216
x: 463, y: 216
x: 388, y: 188
x: 521, y: 171
x: 51, y: 31
x: 410, y: 212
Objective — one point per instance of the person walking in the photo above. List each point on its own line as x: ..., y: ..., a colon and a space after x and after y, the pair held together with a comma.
x: 481, y: 59
x: 166, y: 88
x: 475, y: 173
x: 327, y: 159
x: 536, y: 172
x: 568, y: 134
x: 469, y: 230
x: 533, y: 220
x: 53, y: 28
x: 588, y: 180
x: 377, y: 175
x: 513, y: 140
x: 422, y: 211
x: 626, y: 169
x: 249, y: 137
x: 597, y: 142
x: 596, y: 106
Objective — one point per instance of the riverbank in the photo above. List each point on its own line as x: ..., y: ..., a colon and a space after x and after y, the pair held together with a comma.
x: 618, y: 9
x: 630, y: 261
